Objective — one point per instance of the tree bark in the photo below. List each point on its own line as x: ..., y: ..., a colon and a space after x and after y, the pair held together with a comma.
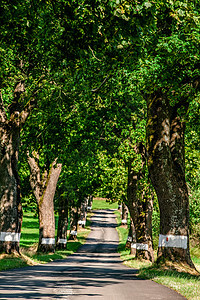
x: 11, y: 208
x: 166, y: 162
x: 44, y: 190
x: 11, y: 123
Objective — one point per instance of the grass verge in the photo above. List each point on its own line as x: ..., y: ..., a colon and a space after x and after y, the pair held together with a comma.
x: 28, y: 246
x: 102, y: 203
x: 185, y: 284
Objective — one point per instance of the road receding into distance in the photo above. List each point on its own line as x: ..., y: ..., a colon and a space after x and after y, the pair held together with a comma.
x: 94, y: 272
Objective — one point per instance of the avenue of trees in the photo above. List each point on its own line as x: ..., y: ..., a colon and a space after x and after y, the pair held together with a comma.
x: 101, y: 97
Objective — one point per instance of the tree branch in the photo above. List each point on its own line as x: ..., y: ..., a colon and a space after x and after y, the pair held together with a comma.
x: 94, y: 54
x: 98, y: 88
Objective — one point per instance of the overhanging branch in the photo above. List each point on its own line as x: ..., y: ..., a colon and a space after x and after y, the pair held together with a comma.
x: 103, y: 82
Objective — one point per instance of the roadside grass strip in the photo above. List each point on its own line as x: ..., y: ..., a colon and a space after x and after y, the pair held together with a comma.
x: 185, y: 284
x: 28, y: 246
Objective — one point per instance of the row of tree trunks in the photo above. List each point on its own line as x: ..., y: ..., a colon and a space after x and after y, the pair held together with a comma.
x: 131, y: 240
x: 73, y: 223
x: 44, y: 188
x: 83, y: 213
x: 140, y: 207
x: 61, y: 241
x: 78, y: 216
x: 165, y: 146
x: 166, y: 164
x: 89, y: 204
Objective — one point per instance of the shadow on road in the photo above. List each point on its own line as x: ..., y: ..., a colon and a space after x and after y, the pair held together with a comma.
x: 96, y: 264
x: 94, y: 271
x: 38, y: 277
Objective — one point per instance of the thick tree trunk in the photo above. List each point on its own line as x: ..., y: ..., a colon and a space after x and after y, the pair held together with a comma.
x: 138, y: 208
x: 44, y: 191
x: 46, y: 211
x: 61, y: 242
x: 11, y: 209
x: 165, y: 146
x: 10, y: 198
x: 11, y: 121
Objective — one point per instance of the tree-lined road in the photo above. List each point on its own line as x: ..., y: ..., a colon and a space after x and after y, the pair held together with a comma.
x: 95, y: 272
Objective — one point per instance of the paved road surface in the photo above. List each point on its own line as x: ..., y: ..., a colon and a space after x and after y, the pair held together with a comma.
x: 95, y: 272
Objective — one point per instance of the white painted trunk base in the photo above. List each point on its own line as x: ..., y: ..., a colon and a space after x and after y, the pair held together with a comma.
x: 10, y: 236
x: 173, y: 241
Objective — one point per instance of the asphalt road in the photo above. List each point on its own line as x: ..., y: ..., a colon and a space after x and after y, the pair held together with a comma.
x: 95, y: 272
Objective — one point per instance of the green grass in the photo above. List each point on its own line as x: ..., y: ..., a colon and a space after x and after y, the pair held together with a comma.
x: 100, y: 203
x: 30, y: 230
x: 72, y: 246
x: 186, y: 284
x: 11, y: 262
x: 28, y: 245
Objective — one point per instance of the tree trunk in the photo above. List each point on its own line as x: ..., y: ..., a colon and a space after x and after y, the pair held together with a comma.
x: 11, y: 121
x: 165, y: 146
x: 61, y: 242
x: 131, y: 240
x: 138, y: 208
x: 148, y: 218
x: 11, y: 209
x: 119, y: 205
x: 10, y: 198
x: 89, y: 205
x: 44, y: 191
x: 83, y: 213
x: 124, y: 215
x: 73, y: 223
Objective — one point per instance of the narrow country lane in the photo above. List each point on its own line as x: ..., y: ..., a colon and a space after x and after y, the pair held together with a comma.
x: 95, y: 272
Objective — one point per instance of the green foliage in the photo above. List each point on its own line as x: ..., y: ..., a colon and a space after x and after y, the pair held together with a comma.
x: 195, y: 213
x: 90, y: 65
x: 192, y: 156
